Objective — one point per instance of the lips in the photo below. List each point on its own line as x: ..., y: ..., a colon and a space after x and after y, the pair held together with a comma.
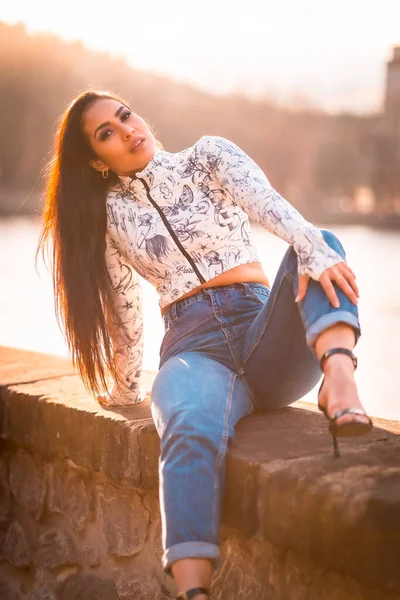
x: 136, y: 144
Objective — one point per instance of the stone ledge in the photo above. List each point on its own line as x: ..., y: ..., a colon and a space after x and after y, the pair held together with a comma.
x: 283, y: 485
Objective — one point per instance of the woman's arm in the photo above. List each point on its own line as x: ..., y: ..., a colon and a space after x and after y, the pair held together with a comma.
x: 237, y: 173
x: 127, y: 339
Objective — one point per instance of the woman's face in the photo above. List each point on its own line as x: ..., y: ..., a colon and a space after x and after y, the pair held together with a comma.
x: 120, y: 139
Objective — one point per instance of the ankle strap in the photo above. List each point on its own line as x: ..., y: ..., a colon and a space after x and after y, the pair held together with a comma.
x: 192, y: 593
x: 338, y: 351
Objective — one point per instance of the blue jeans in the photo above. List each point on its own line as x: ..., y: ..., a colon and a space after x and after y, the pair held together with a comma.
x: 228, y: 351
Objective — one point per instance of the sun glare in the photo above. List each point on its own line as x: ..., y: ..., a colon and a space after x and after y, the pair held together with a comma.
x: 317, y: 50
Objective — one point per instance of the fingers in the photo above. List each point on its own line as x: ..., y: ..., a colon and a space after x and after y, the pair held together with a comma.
x: 344, y: 278
x: 350, y: 277
x: 341, y: 275
x: 345, y: 266
x: 346, y: 288
x: 303, y: 285
x: 329, y: 290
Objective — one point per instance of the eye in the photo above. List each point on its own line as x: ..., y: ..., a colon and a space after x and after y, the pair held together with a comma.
x: 105, y: 134
x: 126, y: 115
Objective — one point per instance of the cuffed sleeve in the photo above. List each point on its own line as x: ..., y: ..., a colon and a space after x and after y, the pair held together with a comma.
x: 127, y: 336
x: 249, y: 187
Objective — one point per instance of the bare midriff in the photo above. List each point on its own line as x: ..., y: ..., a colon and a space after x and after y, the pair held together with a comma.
x: 247, y: 273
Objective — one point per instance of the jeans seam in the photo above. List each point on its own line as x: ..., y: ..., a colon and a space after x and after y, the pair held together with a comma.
x: 252, y: 294
x: 302, y: 314
x: 257, y: 340
x: 226, y: 335
x: 224, y: 441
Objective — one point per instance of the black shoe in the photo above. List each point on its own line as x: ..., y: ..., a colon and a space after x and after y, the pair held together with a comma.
x: 349, y: 428
x: 192, y: 593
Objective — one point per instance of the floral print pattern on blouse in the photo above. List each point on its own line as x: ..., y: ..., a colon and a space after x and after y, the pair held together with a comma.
x: 183, y: 220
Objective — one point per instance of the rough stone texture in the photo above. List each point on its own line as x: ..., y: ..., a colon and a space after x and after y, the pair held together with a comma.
x: 27, y: 483
x: 56, y: 548
x: 123, y: 520
x: 352, y: 505
x: 21, y: 366
x: 149, y: 455
x: 152, y: 505
x: 90, y: 556
x: 10, y: 587
x: 298, y: 525
x: 5, y: 501
x: 68, y: 494
x: 57, y: 431
x: 41, y: 594
x: 294, y: 432
x: 15, y: 546
x: 145, y: 588
x: 86, y: 587
x: 257, y: 569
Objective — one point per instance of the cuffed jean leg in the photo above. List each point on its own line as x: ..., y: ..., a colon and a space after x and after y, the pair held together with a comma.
x: 196, y: 402
x: 279, y: 363
x: 316, y: 310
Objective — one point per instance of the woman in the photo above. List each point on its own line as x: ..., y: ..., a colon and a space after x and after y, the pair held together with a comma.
x: 109, y: 184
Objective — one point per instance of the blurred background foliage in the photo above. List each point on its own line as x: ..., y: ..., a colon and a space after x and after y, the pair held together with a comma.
x: 342, y: 167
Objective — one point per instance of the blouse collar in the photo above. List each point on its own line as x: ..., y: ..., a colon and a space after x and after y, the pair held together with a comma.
x: 145, y: 172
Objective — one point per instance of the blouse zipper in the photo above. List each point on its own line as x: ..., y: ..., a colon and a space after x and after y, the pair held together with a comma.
x: 171, y: 231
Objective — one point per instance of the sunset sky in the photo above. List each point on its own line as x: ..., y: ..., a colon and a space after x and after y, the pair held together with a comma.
x: 329, y: 54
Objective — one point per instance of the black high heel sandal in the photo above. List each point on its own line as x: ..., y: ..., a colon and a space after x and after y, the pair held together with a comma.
x: 349, y: 428
x: 192, y: 593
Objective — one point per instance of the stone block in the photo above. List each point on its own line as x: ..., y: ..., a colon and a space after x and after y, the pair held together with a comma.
x: 123, y: 520
x: 145, y: 588
x: 10, y: 587
x: 19, y: 366
x: 15, y: 546
x: 84, y: 586
x: 149, y: 455
x: 247, y: 569
x: 5, y: 500
x: 41, y: 594
x: 152, y: 505
x: 64, y: 421
x: 240, y: 494
x: 56, y: 549
x: 27, y: 482
x: 90, y: 556
x: 344, y: 515
x: 68, y: 494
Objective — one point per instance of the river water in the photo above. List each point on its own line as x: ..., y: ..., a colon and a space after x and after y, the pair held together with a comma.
x: 27, y: 317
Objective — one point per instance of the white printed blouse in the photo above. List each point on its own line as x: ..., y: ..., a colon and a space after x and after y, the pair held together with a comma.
x: 183, y: 220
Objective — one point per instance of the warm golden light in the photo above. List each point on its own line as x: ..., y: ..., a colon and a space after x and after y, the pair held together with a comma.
x: 324, y: 52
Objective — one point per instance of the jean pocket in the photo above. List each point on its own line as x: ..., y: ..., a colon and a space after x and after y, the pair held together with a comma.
x: 259, y: 293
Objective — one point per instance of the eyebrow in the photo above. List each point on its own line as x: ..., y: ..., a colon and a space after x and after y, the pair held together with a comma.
x: 108, y: 122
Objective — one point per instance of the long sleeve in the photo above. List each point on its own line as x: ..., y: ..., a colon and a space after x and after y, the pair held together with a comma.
x: 127, y: 340
x: 249, y: 187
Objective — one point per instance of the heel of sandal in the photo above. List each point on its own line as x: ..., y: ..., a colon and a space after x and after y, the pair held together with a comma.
x: 349, y: 428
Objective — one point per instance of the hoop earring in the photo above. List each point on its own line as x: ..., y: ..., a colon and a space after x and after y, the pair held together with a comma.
x: 105, y: 174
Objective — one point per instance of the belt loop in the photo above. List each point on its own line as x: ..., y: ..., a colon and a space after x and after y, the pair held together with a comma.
x: 173, y: 314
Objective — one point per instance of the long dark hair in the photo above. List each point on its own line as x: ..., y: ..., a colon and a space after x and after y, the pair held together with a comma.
x: 75, y: 221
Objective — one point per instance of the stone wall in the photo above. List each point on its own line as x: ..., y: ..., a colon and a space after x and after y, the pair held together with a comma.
x: 68, y: 530
x: 79, y: 511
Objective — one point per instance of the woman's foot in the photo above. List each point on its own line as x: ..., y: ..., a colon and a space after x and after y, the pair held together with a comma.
x: 339, y: 390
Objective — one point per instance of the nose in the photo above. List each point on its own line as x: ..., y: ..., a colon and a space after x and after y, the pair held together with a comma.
x: 127, y: 130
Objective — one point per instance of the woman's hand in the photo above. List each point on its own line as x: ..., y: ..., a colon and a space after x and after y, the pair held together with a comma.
x: 108, y: 400
x: 342, y: 275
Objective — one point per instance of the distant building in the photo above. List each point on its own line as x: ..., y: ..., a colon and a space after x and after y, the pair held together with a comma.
x: 392, y: 99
